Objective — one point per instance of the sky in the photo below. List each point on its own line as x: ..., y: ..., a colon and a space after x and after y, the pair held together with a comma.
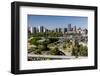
x: 52, y: 22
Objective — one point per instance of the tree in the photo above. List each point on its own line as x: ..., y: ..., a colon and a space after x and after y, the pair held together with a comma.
x: 75, y: 51
x: 79, y: 50
x: 83, y: 50
x: 45, y: 44
x: 64, y: 46
x: 56, y: 51
x: 38, y: 51
x: 76, y: 43
x: 52, y: 40
x: 41, y: 47
x: 34, y: 40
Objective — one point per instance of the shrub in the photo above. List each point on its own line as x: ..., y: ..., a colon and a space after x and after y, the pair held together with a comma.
x: 38, y: 51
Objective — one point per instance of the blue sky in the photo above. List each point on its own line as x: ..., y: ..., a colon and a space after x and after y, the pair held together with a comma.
x: 52, y: 22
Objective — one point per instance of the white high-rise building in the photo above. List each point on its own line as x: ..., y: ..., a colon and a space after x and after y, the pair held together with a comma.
x: 41, y: 29
x: 45, y: 30
x: 31, y: 29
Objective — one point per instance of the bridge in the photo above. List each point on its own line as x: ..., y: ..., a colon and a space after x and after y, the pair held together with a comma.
x: 32, y: 57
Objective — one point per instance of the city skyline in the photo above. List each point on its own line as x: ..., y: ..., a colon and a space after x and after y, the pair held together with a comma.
x: 52, y: 22
x: 70, y: 29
